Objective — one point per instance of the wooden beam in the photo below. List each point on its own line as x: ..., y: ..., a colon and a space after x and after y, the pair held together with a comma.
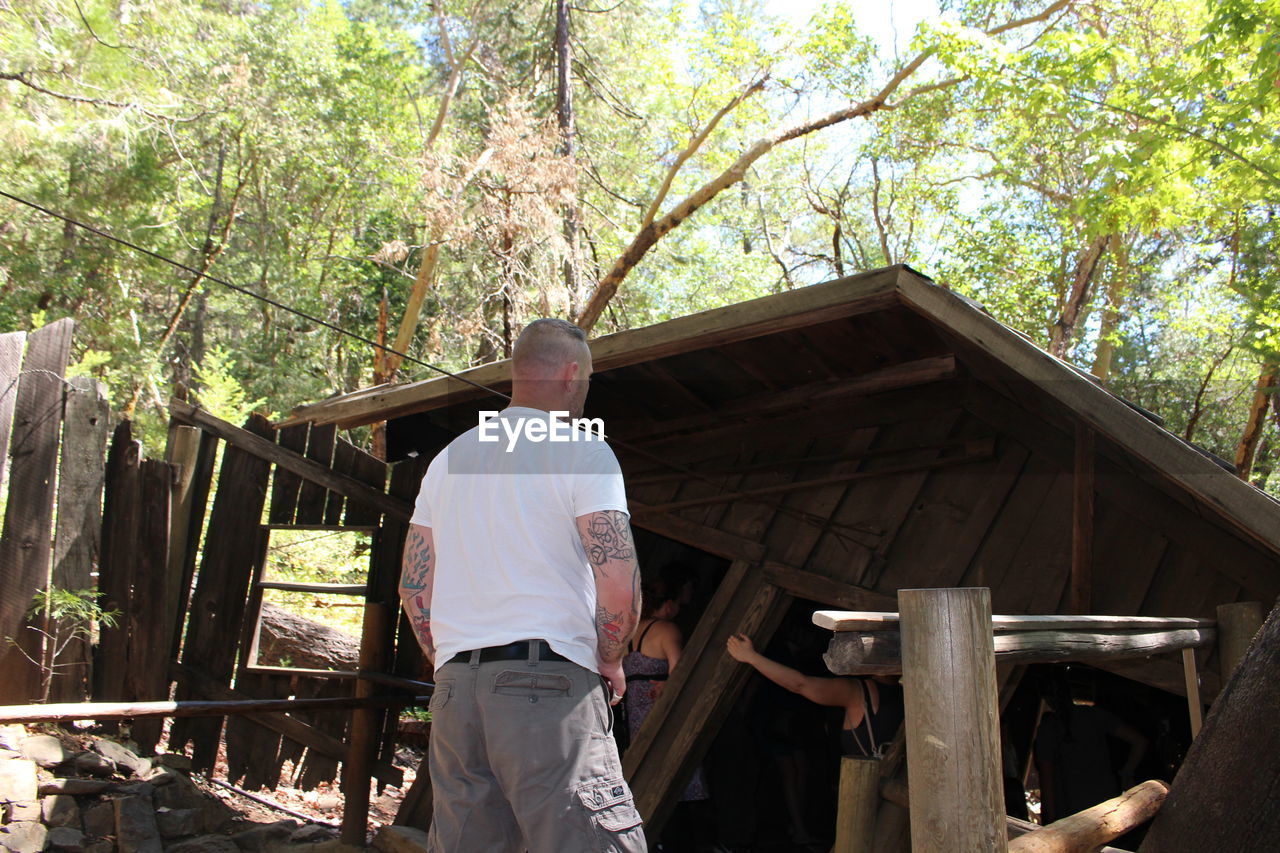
x: 320, y: 588
x: 974, y: 451
x: 69, y: 711
x: 1082, y: 489
x: 840, y: 620
x: 880, y: 652
x: 687, y: 532
x: 12, y: 345
x: 822, y: 589
x: 953, y: 726
x: 1237, y: 503
x: 847, y: 297
x: 307, y: 469
x: 858, y: 802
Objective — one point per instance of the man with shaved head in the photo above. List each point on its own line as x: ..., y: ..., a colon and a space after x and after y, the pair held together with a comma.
x: 521, y: 582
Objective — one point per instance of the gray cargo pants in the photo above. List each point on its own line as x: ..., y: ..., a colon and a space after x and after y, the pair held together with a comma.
x: 522, y: 759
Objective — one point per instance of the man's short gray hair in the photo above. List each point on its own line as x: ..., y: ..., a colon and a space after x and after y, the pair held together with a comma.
x: 549, y: 341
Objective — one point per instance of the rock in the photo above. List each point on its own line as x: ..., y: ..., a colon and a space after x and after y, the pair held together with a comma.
x: 17, y: 780
x: 136, y: 830
x: 179, y: 793
x: 11, y: 736
x: 312, y: 833
x: 29, y: 810
x: 8, y: 753
x: 100, y: 819
x: 329, y: 803
x: 67, y: 838
x: 24, y: 837
x: 122, y: 757
x: 177, y: 823
x: 45, y: 750
x: 259, y: 838
x: 75, y: 786
x: 61, y: 810
x: 215, y: 814
x: 100, y: 846
x: 163, y: 776
x: 204, y: 844
x: 137, y: 789
x: 173, y: 760
x: 94, y: 764
x: 400, y: 839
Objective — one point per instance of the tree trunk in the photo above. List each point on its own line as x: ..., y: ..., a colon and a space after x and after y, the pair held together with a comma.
x: 1116, y: 289
x: 1223, y: 797
x: 1064, y: 329
x: 1262, y: 397
x: 564, y: 117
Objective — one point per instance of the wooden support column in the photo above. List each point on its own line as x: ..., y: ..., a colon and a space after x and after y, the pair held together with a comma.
x: 1082, y: 522
x: 1237, y: 624
x: 364, y: 734
x: 859, y: 801
x: 1192, y: 674
x: 953, y: 729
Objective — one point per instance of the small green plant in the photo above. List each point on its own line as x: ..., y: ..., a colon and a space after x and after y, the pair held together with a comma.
x: 62, y: 617
x: 221, y: 394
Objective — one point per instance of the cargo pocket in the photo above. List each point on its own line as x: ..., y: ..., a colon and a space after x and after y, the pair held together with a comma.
x: 440, y: 696
x: 611, y: 809
x: 531, y: 685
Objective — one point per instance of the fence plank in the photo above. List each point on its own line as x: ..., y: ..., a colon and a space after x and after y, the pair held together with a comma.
x: 218, y: 604
x: 284, y: 483
x: 11, y: 346
x: 26, y: 546
x: 78, y: 538
x: 120, y: 512
x: 186, y: 516
x: 149, y: 619
x: 312, y: 496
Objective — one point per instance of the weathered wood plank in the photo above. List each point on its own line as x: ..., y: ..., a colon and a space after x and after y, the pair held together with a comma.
x: 120, y: 519
x: 150, y: 627
x: 344, y: 462
x: 312, y: 495
x: 218, y: 604
x: 845, y: 620
x: 26, y: 545
x: 285, y: 483
x: 78, y: 538
x: 311, y: 471
x: 879, y: 652
x: 823, y: 589
x: 190, y: 499
x: 372, y: 471
x: 1082, y: 491
x: 12, y: 345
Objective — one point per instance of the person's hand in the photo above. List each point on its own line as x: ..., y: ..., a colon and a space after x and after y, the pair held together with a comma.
x: 740, y: 648
x: 612, y: 673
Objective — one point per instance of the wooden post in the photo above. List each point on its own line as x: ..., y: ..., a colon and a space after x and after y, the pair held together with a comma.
x: 859, y: 801
x: 1082, y: 523
x: 953, y: 733
x: 1237, y: 624
x: 12, y: 345
x: 1192, y: 675
x: 364, y: 735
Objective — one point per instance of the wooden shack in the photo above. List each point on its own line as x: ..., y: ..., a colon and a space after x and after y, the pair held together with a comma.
x: 839, y: 442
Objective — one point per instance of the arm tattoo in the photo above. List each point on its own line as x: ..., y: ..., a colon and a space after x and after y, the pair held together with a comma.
x: 417, y: 561
x: 608, y: 632
x: 608, y: 538
x: 420, y: 619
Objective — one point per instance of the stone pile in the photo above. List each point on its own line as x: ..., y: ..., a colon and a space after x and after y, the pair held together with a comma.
x: 108, y: 799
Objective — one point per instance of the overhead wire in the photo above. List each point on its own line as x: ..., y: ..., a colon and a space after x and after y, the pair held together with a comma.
x: 825, y: 524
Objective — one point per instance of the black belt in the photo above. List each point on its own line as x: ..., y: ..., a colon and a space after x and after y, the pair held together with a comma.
x: 512, y: 651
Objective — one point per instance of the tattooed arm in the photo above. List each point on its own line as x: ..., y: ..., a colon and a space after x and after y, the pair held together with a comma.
x: 417, y: 575
x: 606, y: 537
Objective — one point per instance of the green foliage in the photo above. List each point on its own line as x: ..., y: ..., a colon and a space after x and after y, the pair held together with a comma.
x: 220, y: 392
x: 69, y: 616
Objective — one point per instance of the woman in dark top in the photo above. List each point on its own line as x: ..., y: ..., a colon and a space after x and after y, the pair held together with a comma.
x: 872, y: 710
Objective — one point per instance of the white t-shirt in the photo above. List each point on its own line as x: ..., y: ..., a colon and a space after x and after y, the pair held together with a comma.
x: 509, y: 561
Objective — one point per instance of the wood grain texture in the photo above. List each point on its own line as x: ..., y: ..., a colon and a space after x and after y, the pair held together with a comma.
x: 77, y: 540
x: 953, y: 727
x: 121, y: 511
x: 1223, y: 797
x: 1238, y: 623
x: 12, y: 346
x: 858, y: 802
